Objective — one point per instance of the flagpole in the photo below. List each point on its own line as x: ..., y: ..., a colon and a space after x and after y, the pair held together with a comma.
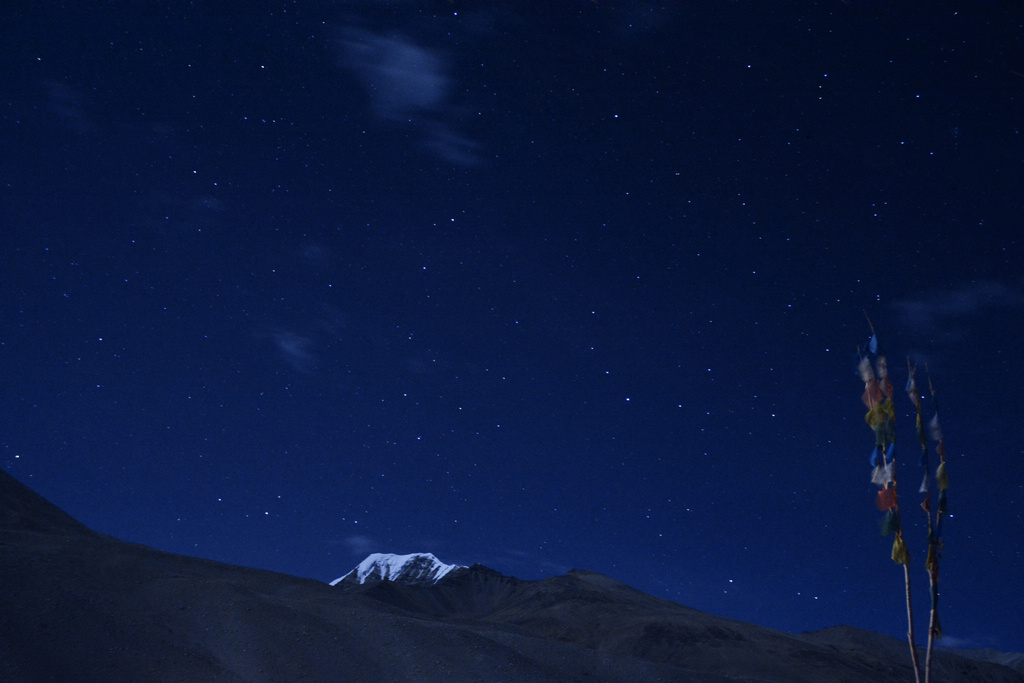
x: 881, y: 418
x: 935, y: 539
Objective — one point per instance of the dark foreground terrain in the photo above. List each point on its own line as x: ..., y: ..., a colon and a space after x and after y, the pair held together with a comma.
x: 80, y: 606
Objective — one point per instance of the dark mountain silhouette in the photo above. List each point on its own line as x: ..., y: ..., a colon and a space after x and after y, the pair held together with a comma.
x: 80, y: 606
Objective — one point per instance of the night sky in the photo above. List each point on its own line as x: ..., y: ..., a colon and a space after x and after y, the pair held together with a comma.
x: 534, y: 285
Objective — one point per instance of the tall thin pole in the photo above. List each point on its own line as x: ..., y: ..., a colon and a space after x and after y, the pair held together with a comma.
x: 881, y: 417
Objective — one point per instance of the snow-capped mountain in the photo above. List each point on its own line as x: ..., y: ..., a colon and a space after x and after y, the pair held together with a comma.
x: 182, y: 616
x: 415, y: 569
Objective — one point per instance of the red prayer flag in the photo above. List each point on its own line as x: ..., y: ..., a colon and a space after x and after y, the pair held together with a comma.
x: 886, y: 498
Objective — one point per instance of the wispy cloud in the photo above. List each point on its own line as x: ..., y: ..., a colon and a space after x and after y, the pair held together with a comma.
x: 946, y: 310
x: 954, y: 642
x: 401, y: 78
x: 362, y: 546
x: 408, y: 84
x: 297, y: 350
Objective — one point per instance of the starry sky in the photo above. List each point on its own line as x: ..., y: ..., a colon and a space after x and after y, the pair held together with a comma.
x: 535, y: 285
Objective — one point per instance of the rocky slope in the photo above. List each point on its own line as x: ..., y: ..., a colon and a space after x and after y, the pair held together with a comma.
x: 81, y: 606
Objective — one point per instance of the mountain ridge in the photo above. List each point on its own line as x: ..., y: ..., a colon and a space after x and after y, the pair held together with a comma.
x: 414, y: 568
x: 87, y: 607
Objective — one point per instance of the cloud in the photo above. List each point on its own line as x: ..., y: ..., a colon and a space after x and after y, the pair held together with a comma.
x: 953, y: 642
x: 408, y: 84
x: 401, y: 78
x: 451, y: 146
x: 361, y: 545
x: 297, y: 350
x: 946, y: 310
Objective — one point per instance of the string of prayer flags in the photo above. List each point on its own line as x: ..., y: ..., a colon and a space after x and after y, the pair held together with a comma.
x: 935, y: 532
x: 941, y: 477
x: 881, y: 419
x: 915, y: 397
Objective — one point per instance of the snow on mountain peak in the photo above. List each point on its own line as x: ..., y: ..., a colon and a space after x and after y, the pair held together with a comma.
x: 416, y: 568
